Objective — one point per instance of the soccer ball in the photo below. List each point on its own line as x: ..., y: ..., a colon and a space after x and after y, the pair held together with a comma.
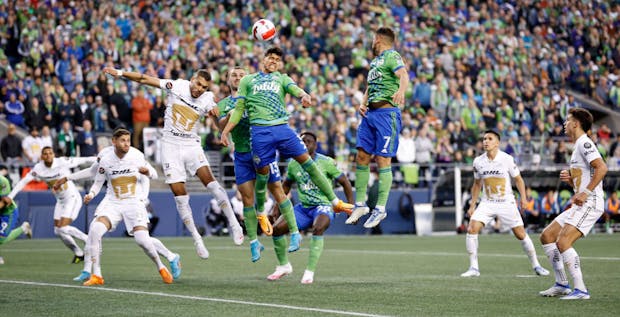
x: 264, y: 30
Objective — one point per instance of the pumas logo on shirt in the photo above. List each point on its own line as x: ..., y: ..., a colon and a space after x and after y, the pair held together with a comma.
x: 125, y: 171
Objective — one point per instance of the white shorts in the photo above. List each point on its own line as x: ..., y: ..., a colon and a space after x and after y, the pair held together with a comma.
x: 68, y: 207
x: 581, y: 217
x: 131, y: 211
x: 506, y: 212
x: 177, y: 158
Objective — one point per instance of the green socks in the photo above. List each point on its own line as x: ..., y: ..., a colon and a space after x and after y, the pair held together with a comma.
x: 385, y: 184
x: 362, y: 174
x: 318, y: 179
x: 280, y: 245
x: 286, y: 209
x: 15, y: 233
x: 251, y: 223
x: 260, y: 188
x: 316, y: 248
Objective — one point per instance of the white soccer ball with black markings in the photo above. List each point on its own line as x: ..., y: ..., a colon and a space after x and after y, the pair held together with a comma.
x: 264, y: 30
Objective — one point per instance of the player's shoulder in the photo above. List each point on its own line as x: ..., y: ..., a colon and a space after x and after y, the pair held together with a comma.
x: 480, y: 158
x: 323, y: 158
x: 135, y: 153
x: 585, y: 143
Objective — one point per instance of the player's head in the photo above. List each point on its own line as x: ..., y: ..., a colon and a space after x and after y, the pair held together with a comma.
x: 273, y: 59
x: 309, y: 140
x: 490, y: 140
x: 47, y: 155
x: 199, y: 83
x: 578, y: 120
x: 121, y: 138
x: 234, y: 77
x: 384, y: 38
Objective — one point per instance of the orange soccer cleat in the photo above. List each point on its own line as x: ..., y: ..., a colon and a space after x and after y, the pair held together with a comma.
x: 94, y: 280
x: 265, y: 225
x: 165, y: 275
x: 341, y: 206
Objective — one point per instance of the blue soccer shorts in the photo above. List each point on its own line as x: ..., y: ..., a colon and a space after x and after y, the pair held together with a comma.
x: 378, y: 133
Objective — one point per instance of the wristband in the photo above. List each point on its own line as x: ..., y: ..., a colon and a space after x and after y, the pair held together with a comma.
x: 119, y: 73
x: 587, y: 191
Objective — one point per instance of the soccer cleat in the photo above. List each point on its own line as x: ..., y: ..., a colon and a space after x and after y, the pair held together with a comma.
x: 577, y: 294
x: 265, y: 225
x: 83, y: 277
x: 556, y: 290
x: 375, y: 218
x: 308, y: 277
x: 175, y: 266
x: 202, y: 251
x: 165, y: 275
x: 256, y: 248
x: 77, y: 259
x: 237, y: 234
x: 357, y: 213
x: 280, y: 272
x: 94, y: 280
x: 541, y: 271
x: 27, y: 229
x: 472, y: 272
x: 295, y: 242
x: 341, y: 206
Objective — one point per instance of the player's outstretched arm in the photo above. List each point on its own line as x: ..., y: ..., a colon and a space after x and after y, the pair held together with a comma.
x: 20, y: 185
x: 235, y: 117
x: 343, y: 180
x: 133, y: 76
x: 521, y: 187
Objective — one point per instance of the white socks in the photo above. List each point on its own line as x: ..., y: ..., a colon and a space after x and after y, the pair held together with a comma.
x: 97, y: 230
x: 185, y: 212
x: 67, y: 239
x: 161, y: 249
x: 528, y: 248
x: 471, y: 244
x: 215, y: 189
x: 144, y: 241
x: 571, y: 259
x: 555, y: 259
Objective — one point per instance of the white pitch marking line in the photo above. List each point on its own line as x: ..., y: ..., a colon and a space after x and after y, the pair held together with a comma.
x: 209, y: 299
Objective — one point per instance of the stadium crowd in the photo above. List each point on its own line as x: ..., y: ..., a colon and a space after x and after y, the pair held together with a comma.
x: 474, y: 65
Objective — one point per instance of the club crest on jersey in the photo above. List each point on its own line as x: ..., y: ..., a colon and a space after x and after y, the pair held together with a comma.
x: 587, y: 145
x: 169, y: 85
x: 101, y: 170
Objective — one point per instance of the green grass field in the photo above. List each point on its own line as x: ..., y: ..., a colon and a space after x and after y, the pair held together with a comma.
x: 357, y: 276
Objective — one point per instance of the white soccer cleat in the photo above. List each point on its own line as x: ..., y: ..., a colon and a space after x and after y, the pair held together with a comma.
x: 201, y: 250
x: 308, y: 277
x: 556, y: 290
x: 281, y: 271
x: 577, y: 294
x: 27, y: 229
x: 541, y: 271
x: 472, y: 272
x: 237, y: 234
x: 357, y: 213
x: 375, y: 218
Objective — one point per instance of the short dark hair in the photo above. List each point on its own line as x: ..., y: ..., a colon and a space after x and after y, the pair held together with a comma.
x: 45, y: 148
x: 274, y: 50
x: 204, y: 74
x: 310, y: 134
x: 584, y: 117
x: 118, y: 132
x: 387, y: 33
x: 492, y: 131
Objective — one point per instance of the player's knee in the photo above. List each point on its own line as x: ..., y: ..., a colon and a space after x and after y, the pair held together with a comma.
x: 57, y: 231
x: 318, y: 231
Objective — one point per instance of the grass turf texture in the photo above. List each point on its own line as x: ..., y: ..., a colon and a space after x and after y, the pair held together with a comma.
x: 356, y: 276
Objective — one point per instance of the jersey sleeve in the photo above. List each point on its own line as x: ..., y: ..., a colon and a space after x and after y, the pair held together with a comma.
x: 331, y: 169
x: 166, y: 84
x: 588, y: 151
x: 476, y: 170
x: 221, y: 106
x: 289, y: 85
x: 244, y: 83
x: 395, y: 61
x: 513, y: 169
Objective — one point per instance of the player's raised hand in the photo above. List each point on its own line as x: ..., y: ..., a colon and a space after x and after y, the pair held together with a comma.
x: 87, y: 198
x: 565, y: 176
x: 112, y: 71
x: 215, y: 112
x: 144, y: 171
x: 59, y: 182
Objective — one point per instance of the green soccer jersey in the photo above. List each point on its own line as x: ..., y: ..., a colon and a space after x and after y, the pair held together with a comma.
x: 309, y: 194
x: 5, y: 189
x: 382, y: 79
x: 264, y: 97
x: 241, y: 132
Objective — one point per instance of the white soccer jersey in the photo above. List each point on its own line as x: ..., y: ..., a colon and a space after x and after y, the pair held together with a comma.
x: 581, y: 172
x: 496, y: 175
x: 183, y: 112
x: 60, y: 168
x: 122, y: 175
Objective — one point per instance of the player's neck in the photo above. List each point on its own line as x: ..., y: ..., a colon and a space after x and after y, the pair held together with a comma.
x: 383, y: 48
x: 577, y: 135
x: 491, y: 154
x: 312, y: 155
x: 48, y: 164
x: 119, y: 154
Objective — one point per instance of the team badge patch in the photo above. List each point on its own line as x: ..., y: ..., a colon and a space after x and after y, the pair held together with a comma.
x: 587, y: 145
x: 169, y: 85
x: 101, y: 170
